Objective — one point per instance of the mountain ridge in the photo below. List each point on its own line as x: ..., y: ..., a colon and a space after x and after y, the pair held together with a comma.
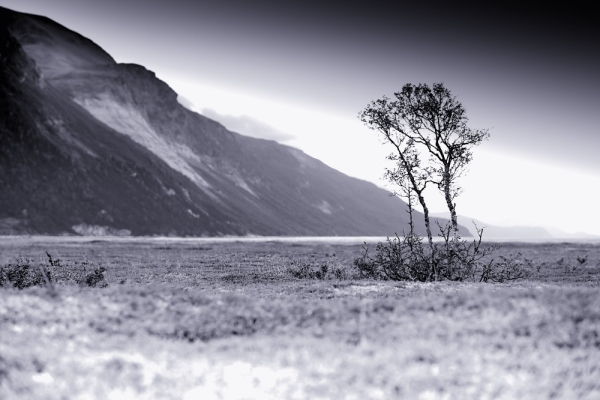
x: 87, y: 142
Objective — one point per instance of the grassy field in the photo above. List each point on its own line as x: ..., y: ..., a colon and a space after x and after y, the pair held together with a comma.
x: 243, y: 320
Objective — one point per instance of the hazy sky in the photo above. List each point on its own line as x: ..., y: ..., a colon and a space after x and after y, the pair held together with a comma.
x: 300, y: 72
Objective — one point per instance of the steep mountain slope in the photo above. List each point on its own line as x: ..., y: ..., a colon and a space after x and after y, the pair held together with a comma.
x: 86, y: 142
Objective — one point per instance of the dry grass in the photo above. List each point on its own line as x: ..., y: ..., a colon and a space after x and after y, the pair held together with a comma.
x: 228, y: 321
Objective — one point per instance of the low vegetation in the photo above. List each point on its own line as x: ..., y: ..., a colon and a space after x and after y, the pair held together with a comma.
x: 26, y: 272
x: 407, y: 259
x: 274, y: 320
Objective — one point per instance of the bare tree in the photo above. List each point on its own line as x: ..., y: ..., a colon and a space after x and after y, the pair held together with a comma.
x: 427, y: 130
x: 407, y: 174
x: 427, y: 120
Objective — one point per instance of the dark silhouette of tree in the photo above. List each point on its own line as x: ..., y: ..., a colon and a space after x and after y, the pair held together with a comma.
x: 408, y: 173
x: 432, y: 142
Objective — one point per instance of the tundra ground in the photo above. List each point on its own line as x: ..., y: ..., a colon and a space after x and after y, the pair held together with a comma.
x: 237, y: 321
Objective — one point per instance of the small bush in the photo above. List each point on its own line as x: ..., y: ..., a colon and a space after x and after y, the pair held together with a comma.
x: 305, y: 269
x: 507, y: 269
x: 24, y: 274
x: 96, y: 278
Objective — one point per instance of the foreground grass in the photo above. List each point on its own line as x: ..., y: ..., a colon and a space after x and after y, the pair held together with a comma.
x: 229, y: 322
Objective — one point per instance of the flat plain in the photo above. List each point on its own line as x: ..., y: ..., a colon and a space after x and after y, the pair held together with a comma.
x: 263, y: 320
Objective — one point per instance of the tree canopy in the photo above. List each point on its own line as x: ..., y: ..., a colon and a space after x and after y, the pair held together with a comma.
x: 432, y: 142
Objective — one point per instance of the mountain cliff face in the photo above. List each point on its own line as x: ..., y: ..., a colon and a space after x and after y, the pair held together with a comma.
x: 88, y: 145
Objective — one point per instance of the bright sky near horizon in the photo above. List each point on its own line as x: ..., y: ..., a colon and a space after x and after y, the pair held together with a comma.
x: 299, y: 73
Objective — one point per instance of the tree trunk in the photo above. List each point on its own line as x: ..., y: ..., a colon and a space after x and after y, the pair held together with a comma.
x: 451, y: 206
x: 429, y: 236
x: 454, y: 219
x: 411, y: 222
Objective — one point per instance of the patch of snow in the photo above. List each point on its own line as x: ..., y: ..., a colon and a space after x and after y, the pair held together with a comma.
x: 128, y: 121
x: 239, y: 181
x: 193, y: 214
x: 325, y: 207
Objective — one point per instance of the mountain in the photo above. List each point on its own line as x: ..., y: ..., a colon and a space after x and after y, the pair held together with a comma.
x: 90, y: 146
x: 493, y: 232
x: 560, y: 234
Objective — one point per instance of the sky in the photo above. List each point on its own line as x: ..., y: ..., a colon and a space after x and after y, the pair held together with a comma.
x: 300, y: 72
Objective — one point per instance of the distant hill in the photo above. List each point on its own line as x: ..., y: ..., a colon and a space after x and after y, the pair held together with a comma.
x: 515, y: 232
x: 90, y: 146
x: 559, y: 233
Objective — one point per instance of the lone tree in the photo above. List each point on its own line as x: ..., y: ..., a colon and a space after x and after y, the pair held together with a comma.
x: 432, y: 142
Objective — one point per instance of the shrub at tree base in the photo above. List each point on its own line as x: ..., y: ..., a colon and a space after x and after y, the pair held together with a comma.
x: 406, y: 258
x: 398, y: 259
